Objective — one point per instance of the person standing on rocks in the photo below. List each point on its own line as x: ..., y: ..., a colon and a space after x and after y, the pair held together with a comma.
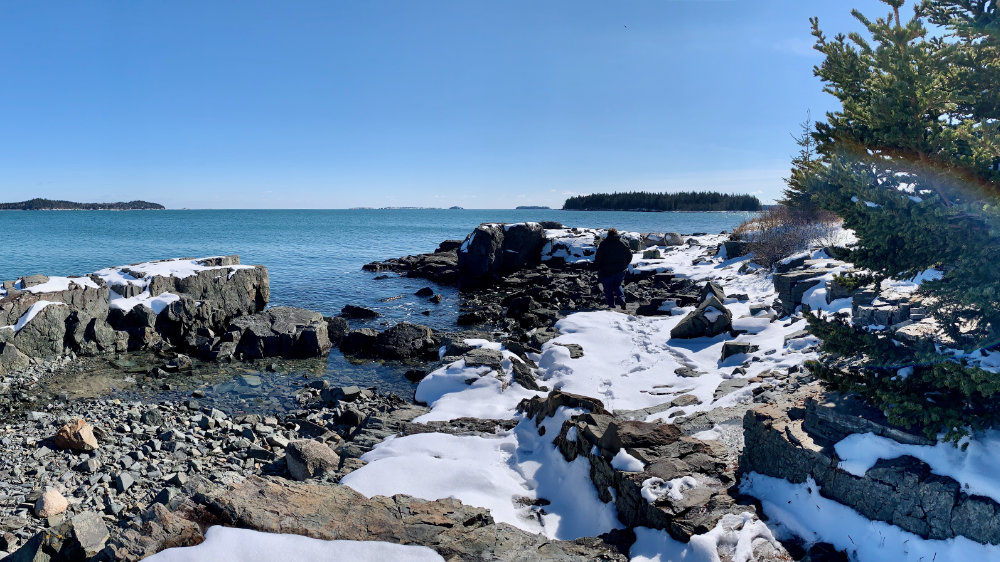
x: 612, y: 259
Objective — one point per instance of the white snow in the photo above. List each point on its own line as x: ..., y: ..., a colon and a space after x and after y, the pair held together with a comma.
x: 504, y: 473
x: 655, y: 488
x: 32, y: 311
x: 799, y: 509
x: 625, y: 462
x: 973, y: 464
x: 225, y: 544
x: 157, y: 303
x: 55, y: 284
x: 733, y: 537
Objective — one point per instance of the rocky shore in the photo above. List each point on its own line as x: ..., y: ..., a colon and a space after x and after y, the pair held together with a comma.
x: 550, y: 428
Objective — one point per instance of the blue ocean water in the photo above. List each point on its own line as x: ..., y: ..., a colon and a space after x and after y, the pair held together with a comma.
x: 314, y: 256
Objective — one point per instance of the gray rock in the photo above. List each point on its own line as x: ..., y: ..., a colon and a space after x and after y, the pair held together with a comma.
x: 281, y: 332
x: 406, y: 341
x: 308, y: 459
x: 90, y: 532
x: 711, y: 318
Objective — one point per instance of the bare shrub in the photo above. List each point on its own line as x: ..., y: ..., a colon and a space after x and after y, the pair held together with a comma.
x: 779, y: 232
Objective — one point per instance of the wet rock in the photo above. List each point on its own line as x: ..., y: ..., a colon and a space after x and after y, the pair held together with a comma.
x: 358, y: 341
x: 77, y: 435
x: 308, y: 459
x: 424, y: 292
x: 336, y: 329
x: 406, y: 341
x: 352, y: 312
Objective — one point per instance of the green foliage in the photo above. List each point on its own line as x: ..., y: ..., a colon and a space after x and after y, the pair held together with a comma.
x: 911, y: 162
x: 648, y: 201
x: 48, y: 204
x: 939, y: 396
x: 854, y: 281
x: 805, y: 165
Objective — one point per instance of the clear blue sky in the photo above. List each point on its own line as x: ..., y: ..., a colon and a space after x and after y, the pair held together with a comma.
x: 333, y: 104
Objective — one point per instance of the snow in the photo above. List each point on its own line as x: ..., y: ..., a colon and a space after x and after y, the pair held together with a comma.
x: 973, y: 464
x: 55, y: 284
x: 800, y: 510
x: 627, y: 463
x: 712, y: 314
x: 32, y: 311
x: 655, y: 488
x: 225, y: 544
x: 733, y: 536
x: 504, y: 473
x: 157, y: 303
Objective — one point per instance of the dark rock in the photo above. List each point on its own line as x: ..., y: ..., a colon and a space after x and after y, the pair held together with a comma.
x: 424, y: 292
x: 281, y: 332
x: 352, y: 312
x: 336, y: 329
x: 711, y: 318
x: 406, y: 341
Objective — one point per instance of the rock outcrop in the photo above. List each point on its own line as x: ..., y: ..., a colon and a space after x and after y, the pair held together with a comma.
x: 456, y: 531
x: 193, y: 304
x: 794, y: 440
x: 493, y: 250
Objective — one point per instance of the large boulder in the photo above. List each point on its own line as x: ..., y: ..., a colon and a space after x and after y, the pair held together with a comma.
x: 711, y: 318
x: 406, y: 341
x: 280, y: 332
x: 307, y: 459
x: 11, y: 359
x: 493, y: 250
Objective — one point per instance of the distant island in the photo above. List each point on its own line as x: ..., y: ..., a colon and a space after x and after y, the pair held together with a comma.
x: 50, y: 205
x: 648, y: 201
x: 456, y: 208
x: 536, y: 207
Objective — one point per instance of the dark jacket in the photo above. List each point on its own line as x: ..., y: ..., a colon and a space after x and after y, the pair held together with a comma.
x: 613, y: 257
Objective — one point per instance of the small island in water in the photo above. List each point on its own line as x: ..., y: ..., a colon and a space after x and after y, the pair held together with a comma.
x: 51, y: 205
x: 648, y: 201
x: 531, y: 207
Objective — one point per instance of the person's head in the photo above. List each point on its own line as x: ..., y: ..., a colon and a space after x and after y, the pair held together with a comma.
x: 612, y: 232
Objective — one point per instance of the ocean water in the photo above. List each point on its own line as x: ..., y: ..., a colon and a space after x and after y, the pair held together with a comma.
x: 314, y: 257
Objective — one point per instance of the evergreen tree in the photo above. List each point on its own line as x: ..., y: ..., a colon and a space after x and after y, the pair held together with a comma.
x: 910, y: 162
x: 805, y: 165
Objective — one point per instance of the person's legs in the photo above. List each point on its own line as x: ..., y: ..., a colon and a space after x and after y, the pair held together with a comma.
x: 608, y: 285
x: 619, y: 294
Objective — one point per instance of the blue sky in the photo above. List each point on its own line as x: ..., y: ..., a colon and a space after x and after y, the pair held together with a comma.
x: 212, y: 104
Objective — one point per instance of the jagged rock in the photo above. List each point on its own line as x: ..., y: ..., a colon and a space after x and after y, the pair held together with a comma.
x: 711, y: 318
x: 44, y: 335
x: 11, y: 359
x: 358, y: 341
x: 281, y: 332
x: 792, y: 440
x: 336, y: 329
x: 50, y: 503
x: 492, y: 250
x: 77, y: 435
x: 406, y: 341
x: 714, y: 289
x: 308, y: 459
x: 90, y: 532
